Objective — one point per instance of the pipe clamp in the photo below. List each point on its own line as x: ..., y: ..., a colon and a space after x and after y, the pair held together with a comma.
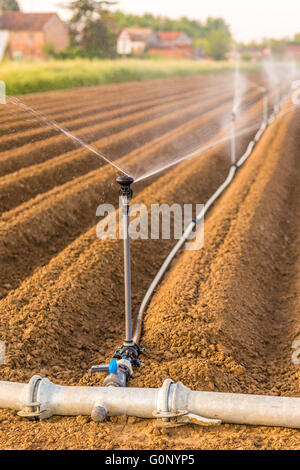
x: 170, y: 397
x: 30, y: 407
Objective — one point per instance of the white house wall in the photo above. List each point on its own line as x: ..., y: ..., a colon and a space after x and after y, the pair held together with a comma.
x: 4, y: 37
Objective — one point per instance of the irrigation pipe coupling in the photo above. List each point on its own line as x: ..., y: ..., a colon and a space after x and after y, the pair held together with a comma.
x: 173, y: 404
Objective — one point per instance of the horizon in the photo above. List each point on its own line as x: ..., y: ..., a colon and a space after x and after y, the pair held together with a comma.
x: 247, y: 20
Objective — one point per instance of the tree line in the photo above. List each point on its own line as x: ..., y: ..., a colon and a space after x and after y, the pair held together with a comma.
x: 9, y: 5
x: 95, y: 29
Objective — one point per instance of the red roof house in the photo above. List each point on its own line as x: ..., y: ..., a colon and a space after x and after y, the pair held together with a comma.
x: 172, y: 44
x: 174, y: 38
x: 25, y: 35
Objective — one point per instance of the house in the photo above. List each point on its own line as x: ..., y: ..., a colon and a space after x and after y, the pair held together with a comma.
x: 292, y: 50
x: 171, y: 44
x: 133, y: 41
x: 25, y: 35
x: 249, y: 54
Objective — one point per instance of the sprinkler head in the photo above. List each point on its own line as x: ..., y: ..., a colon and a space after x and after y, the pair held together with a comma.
x: 125, y: 182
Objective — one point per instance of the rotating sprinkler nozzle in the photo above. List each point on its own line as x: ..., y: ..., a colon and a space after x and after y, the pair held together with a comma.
x: 120, y: 369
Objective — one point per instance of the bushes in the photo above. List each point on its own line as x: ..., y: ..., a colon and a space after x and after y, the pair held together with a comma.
x: 30, y: 77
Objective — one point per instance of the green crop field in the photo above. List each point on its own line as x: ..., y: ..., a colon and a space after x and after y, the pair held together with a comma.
x: 30, y: 77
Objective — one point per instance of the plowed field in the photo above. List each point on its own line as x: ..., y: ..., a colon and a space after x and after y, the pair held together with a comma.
x: 223, y: 319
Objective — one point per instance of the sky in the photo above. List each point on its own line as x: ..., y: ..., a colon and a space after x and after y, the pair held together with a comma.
x: 248, y: 19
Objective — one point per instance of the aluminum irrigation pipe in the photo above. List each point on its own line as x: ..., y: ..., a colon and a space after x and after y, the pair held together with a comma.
x: 188, y: 231
x: 174, y: 403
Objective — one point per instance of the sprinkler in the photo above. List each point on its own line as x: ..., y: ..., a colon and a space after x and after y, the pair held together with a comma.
x: 266, y: 106
x: 278, y: 101
x: 279, y: 97
x: 120, y: 369
x: 125, y: 198
x: 233, y: 141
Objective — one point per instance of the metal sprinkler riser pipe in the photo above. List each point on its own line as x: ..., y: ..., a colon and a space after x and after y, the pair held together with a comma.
x: 125, y: 198
x: 120, y: 369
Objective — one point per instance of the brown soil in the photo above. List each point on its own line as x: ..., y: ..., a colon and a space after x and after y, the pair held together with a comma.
x: 223, y: 319
x: 114, y: 140
x: 35, y: 231
x: 122, y: 141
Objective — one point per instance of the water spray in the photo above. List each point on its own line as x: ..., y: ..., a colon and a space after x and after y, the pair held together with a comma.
x: 279, y: 98
x: 120, y: 369
x: 277, y: 104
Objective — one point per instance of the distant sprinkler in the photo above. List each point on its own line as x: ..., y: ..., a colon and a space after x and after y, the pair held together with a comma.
x: 233, y: 140
x: 266, y: 106
x: 279, y: 97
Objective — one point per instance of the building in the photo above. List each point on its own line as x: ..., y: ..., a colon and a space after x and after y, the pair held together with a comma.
x: 171, y: 44
x: 25, y: 35
x: 133, y: 41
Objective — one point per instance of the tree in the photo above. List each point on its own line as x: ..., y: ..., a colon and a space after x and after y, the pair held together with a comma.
x: 218, y: 43
x: 278, y: 46
x: 216, y: 24
x: 92, y: 24
x: 9, y: 5
x: 87, y: 11
x: 192, y: 28
x: 297, y: 38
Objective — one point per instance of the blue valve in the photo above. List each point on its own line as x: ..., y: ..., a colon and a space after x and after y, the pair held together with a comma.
x: 113, y: 367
